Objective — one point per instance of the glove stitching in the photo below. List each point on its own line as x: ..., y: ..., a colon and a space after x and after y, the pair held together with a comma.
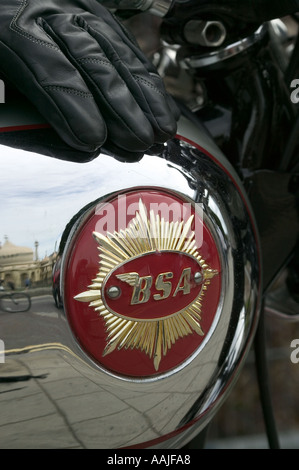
x: 112, y: 108
x: 89, y: 95
x: 14, y: 27
x: 96, y: 61
x: 137, y: 78
x: 71, y: 91
x: 116, y: 59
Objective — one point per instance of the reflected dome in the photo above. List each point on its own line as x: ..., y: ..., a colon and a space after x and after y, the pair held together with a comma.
x: 11, y: 254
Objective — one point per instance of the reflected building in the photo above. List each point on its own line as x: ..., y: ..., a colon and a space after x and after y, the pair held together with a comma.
x: 20, y: 266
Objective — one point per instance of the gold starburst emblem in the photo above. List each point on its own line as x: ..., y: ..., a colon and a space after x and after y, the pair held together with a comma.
x: 118, y: 289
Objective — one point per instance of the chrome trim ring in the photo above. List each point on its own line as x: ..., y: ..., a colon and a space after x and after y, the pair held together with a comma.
x: 228, y: 52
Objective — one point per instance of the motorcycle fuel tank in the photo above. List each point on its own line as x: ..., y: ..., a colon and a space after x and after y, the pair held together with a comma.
x: 154, y: 268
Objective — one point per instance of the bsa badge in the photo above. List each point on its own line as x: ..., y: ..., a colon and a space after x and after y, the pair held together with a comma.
x: 154, y: 292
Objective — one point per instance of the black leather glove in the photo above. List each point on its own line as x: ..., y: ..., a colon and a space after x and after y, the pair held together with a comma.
x: 85, y: 74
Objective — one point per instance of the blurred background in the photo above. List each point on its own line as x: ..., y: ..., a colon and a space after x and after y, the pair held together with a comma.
x: 239, y: 423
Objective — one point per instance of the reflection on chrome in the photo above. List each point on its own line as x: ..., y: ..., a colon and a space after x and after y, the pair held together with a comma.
x: 52, y: 394
x: 20, y: 267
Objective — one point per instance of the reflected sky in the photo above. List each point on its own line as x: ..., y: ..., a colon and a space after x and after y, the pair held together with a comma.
x: 39, y: 194
x: 37, y: 199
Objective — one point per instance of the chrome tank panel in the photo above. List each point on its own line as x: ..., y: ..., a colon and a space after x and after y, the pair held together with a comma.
x: 52, y: 395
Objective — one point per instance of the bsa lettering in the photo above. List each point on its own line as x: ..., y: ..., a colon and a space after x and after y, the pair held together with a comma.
x: 142, y: 289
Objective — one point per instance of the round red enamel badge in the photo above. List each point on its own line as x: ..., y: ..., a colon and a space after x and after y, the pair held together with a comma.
x: 142, y: 282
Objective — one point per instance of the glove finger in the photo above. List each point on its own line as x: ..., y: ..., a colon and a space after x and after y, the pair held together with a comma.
x: 57, y: 99
x: 174, y: 110
x: 127, y: 94
x: 111, y: 24
x: 124, y: 118
x: 128, y: 39
x: 138, y: 72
